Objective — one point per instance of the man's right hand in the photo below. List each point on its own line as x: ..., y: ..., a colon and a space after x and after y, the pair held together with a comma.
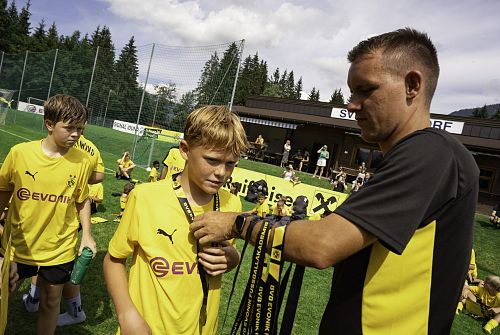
x: 132, y: 323
x: 213, y: 226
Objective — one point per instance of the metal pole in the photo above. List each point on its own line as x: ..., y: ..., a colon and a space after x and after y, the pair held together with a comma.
x: 151, y: 151
x: 1, y: 62
x: 237, y: 73
x: 156, y: 107
x: 142, y: 101
x: 106, y: 110
x: 92, y: 77
x: 52, y: 74
x: 21, y: 85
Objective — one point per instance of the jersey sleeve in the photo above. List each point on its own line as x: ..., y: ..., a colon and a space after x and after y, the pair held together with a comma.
x: 82, y: 186
x: 415, y: 183
x: 6, y: 182
x: 126, y: 236
x: 100, y: 164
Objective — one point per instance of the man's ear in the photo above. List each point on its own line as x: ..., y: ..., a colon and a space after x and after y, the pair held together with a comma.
x: 184, y: 149
x: 413, y: 84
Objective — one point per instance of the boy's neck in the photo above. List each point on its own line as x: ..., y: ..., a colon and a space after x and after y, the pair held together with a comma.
x: 193, y: 193
x: 51, y: 149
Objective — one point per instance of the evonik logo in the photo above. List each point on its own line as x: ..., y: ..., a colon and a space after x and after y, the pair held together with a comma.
x: 25, y: 194
x: 162, y: 267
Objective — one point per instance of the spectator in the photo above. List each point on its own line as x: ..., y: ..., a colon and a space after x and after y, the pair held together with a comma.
x: 339, y: 184
x: 356, y: 185
x: 494, y: 217
x: 304, y: 161
x: 288, y: 173
x: 261, y: 207
x: 124, y: 197
x: 323, y: 157
x: 173, y: 163
x: 153, y: 174
x: 295, y: 180
x: 125, y: 167
x: 487, y: 295
x: 280, y: 209
x: 286, y: 152
x: 96, y: 196
x: 259, y: 145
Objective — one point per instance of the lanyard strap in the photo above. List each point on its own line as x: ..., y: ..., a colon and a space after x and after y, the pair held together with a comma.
x: 188, y: 211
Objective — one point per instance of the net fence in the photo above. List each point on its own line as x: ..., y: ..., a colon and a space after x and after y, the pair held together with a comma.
x: 152, y: 87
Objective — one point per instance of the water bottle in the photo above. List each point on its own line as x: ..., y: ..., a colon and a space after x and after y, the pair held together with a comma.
x: 81, y: 265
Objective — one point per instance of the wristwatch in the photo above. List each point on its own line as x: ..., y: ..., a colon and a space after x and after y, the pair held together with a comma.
x: 239, y: 223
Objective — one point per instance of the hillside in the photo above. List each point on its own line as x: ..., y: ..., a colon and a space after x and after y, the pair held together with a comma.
x: 491, y: 109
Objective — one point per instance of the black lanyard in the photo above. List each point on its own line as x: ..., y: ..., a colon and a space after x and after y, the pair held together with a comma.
x: 186, y: 207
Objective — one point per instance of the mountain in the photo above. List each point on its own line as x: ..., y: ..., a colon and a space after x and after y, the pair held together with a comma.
x: 491, y: 109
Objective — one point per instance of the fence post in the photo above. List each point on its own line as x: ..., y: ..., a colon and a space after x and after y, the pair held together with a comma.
x: 92, y: 77
x: 237, y: 73
x: 142, y: 101
x: 156, y: 107
x: 52, y: 74
x: 21, y: 85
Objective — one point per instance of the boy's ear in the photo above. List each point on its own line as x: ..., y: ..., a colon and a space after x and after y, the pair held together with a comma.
x: 49, y: 124
x: 184, y: 149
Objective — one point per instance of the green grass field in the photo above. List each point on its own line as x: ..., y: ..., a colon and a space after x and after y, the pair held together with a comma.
x: 99, y: 309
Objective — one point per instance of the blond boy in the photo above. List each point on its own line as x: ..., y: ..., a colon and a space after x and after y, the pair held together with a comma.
x: 167, y: 291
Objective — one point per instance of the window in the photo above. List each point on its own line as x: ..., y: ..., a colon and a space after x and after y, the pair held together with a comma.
x: 372, y: 157
x: 485, y: 179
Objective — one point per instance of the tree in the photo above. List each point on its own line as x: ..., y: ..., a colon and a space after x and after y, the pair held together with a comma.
x: 252, y: 79
x: 298, y: 89
x: 313, y: 95
x: 497, y: 115
x: 186, y: 104
x: 39, y: 38
x: 4, y: 26
x: 480, y: 113
x: 52, y: 37
x: 127, y: 73
x: 207, y: 82
x: 337, y: 98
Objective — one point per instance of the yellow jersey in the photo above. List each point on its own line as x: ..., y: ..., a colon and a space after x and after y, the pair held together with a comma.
x: 85, y: 145
x: 42, y: 213
x: 96, y: 191
x: 174, y: 162
x: 261, y: 209
x: 480, y: 292
x: 153, y: 174
x: 164, y: 283
x: 125, y: 164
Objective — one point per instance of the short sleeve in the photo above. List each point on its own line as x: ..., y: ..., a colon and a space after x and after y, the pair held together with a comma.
x: 126, y: 236
x: 100, y: 164
x: 6, y: 182
x: 413, y: 185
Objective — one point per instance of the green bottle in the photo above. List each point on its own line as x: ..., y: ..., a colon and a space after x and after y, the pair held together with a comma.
x: 81, y: 265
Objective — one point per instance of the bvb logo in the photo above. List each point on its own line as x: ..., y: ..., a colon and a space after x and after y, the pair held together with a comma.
x: 71, y: 180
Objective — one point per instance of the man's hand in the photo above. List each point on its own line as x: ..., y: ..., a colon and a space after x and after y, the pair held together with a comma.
x: 218, y: 260
x: 132, y: 323
x: 213, y: 226
x: 87, y: 241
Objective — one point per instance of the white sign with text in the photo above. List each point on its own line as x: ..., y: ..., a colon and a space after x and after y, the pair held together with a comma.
x: 30, y: 108
x: 453, y: 127
x: 128, y: 127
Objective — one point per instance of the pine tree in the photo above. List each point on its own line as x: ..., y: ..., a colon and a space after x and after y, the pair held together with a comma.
x: 52, y: 37
x: 207, y: 82
x: 480, y: 113
x: 4, y: 26
x: 39, y: 38
x: 128, y: 92
x: 496, y: 116
x: 298, y: 89
x: 313, y: 95
x: 337, y: 98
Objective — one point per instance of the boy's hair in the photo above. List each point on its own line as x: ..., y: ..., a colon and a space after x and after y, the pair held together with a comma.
x: 280, y: 202
x: 216, y: 127
x: 261, y: 195
x: 494, y: 281
x: 64, y: 108
x: 156, y: 163
x: 402, y: 49
x: 128, y: 187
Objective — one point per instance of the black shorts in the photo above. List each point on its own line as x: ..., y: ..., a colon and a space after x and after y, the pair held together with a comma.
x: 53, y: 274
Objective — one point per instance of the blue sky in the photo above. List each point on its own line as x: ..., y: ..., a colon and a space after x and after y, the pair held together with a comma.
x: 309, y: 37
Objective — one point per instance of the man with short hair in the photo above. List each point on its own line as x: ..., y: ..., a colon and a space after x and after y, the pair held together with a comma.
x: 401, y: 250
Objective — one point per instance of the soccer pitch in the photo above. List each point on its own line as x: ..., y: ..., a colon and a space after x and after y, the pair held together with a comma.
x: 101, y: 318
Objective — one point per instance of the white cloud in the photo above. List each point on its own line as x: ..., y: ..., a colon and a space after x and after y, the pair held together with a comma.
x: 312, y: 38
